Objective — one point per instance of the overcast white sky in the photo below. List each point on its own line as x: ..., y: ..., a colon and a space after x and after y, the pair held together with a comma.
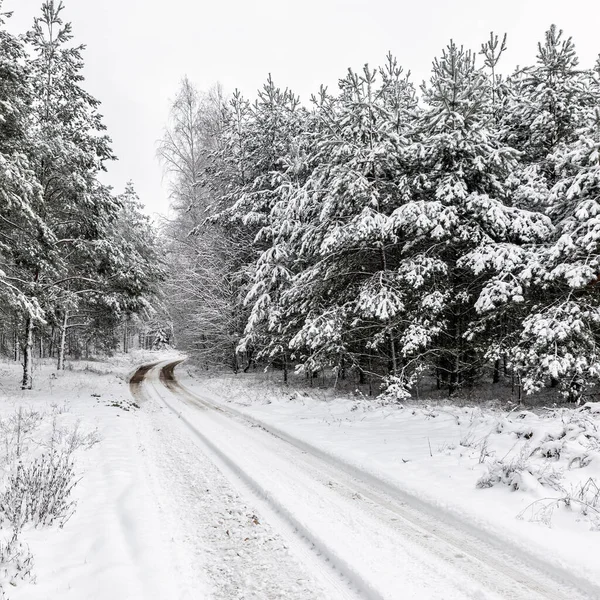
x: 138, y: 50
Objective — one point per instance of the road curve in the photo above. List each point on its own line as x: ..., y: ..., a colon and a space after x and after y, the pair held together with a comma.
x: 383, y: 543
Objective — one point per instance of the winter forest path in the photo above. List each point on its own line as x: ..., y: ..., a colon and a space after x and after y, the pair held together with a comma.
x: 333, y: 531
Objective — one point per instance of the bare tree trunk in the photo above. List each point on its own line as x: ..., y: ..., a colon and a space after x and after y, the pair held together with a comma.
x: 16, y: 345
x: 51, y: 345
x: 362, y: 379
x: 28, y: 356
x: 234, y: 360
x: 496, y: 371
x: 250, y: 359
x: 393, y: 353
x: 63, y: 338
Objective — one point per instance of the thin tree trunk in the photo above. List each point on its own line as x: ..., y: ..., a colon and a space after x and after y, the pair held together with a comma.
x: 16, y: 345
x: 362, y: 378
x: 234, y: 360
x: 496, y: 371
x: 63, y: 338
x: 393, y: 353
x: 51, y: 345
x: 28, y: 356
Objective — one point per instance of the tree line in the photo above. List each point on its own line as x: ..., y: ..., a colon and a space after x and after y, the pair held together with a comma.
x: 79, y: 264
x: 395, y: 234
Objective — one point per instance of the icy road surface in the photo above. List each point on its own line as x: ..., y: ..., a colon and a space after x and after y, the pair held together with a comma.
x: 265, y: 516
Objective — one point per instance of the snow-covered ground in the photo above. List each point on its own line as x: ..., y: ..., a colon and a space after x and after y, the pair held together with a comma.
x: 155, y: 518
x: 528, y: 479
x: 114, y: 545
x: 177, y: 500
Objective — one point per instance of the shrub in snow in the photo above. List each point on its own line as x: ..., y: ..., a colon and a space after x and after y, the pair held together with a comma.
x: 519, y: 473
x: 583, y: 501
x: 591, y: 407
x: 16, y: 563
x: 71, y: 439
x: 575, y: 439
x: 38, y: 481
x: 16, y: 432
x: 548, y: 447
x: 39, y: 492
x: 395, y: 390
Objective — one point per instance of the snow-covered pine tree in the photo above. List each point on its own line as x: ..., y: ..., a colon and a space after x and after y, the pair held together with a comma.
x: 546, y: 104
x: 345, y: 304
x: 64, y: 256
x: 270, y: 149
x: 69, y: 150
x: 458, y: 231
x: 129, y: 259
x: 25, y: 240
x: 561, y: 335
x: 549, y: 107
x: 492, y: 51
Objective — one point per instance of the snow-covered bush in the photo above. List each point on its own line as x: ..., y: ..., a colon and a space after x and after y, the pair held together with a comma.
x: 16, y: 432
x: 70, y: 439
x: 37, y: 486
x: 16, y: 562
x: 519, y: 472
x: 549, y: 459
x: 37, y: 452
x: 39, y: 492
x: 575, y: 439
x: 583, y: 501
x: 395, y: 390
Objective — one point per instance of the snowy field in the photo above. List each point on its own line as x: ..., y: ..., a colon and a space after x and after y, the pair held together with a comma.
x: 176, y: 500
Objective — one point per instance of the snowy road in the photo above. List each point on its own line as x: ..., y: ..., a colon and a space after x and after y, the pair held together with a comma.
x: 295, y: 523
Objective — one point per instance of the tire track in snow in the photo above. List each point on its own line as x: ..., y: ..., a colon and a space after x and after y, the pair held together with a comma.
x: 433, y: 524
x: 330, y: 584
x: 503, y: 576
